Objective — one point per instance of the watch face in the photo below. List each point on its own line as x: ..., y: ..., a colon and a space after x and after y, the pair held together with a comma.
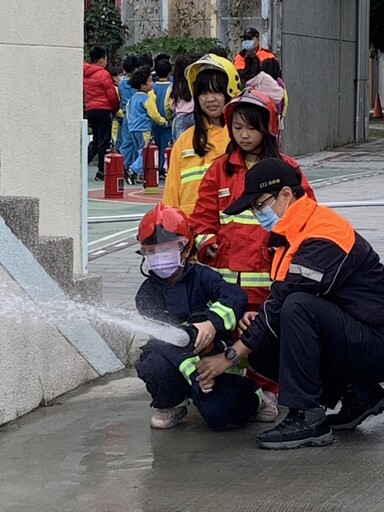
x: 230, y: 353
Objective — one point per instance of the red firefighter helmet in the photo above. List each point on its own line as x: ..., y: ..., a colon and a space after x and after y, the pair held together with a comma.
x: 254, y: 97
x: 163, y: 225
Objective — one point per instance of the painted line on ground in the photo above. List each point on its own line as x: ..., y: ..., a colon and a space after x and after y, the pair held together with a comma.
x: 113, y: 235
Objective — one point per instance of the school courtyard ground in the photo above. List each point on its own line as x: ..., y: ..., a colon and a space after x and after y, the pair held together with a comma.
x: 92, y: 450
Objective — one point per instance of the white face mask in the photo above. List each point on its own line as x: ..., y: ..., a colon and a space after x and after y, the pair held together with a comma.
x: 164, y: 264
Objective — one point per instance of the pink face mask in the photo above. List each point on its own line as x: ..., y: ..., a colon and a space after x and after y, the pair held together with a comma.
x: 164, y: 264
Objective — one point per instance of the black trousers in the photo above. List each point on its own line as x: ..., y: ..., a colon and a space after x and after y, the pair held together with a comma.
x: 233, y: 399
x: 322, y: 347
x: 101, y: 123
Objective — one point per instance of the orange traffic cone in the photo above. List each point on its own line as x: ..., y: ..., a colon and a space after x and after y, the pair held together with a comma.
x: 377, y: 111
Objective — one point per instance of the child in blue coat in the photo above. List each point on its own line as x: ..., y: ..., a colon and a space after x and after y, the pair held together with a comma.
x: 162, y: 89
x: 142, y: 112
x: 126, y: 91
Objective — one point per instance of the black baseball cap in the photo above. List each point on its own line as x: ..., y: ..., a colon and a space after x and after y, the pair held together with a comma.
x: 250, y: 32
x: 267, y: 176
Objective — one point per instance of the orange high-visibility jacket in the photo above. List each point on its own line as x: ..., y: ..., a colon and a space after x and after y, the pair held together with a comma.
x: 262, y: 54
x: 320, y: 253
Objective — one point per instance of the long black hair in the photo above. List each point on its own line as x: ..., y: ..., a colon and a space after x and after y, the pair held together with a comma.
x: 272, y: 67
x: 207, y: 80
x: 252, y: 68
x: 258, y: 117
x: 180, y: 89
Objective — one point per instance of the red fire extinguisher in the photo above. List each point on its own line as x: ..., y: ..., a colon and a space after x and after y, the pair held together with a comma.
x: 167, y: 155
x: 113, y: 175
x: 151, y: 168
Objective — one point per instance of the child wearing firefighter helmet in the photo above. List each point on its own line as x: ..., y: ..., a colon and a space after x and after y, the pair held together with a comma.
x: 213, y: 81
x: 179, y: 293
x: 237, y: 245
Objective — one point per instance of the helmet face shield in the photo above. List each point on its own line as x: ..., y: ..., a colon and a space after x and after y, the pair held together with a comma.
x: 166, y: 247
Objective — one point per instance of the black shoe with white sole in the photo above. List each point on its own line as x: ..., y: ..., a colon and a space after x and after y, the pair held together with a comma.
x: 300, y: 428
x: 354, y: 411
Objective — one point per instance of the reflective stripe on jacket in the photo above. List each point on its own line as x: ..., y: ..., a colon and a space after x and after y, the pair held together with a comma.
x: 187, y: 169
x: 243, y: 255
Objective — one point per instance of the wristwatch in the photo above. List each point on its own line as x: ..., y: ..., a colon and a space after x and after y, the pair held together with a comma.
x: 231, y: 354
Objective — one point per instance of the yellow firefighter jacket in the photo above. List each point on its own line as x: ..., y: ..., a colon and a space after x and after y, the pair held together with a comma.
x: 187, y: 169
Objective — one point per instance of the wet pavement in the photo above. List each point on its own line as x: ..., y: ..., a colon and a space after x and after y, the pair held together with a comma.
x: 93, y: 449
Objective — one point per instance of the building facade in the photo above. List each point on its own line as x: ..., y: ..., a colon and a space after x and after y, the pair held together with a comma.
x: 322, y: 46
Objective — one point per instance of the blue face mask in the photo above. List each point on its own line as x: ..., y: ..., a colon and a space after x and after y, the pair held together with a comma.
x: 267, y: 217
x: 247, y: 45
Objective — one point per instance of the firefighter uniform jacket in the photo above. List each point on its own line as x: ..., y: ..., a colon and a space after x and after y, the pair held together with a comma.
x: 262, y: 54
x: 200, y: 290
x: 319, y: 253
x: 243, y: 255
x: 187, y: 169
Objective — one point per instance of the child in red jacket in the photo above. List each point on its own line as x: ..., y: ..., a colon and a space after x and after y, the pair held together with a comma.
x: 101, y: 101
x: 237, y: 245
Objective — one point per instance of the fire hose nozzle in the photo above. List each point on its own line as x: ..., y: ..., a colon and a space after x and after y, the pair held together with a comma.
x: 215, y: 347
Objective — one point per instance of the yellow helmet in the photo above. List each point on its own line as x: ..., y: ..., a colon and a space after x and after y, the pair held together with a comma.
x: 212, y: 61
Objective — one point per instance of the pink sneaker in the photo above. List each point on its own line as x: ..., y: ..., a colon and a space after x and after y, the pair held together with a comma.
x: 268, y: 409
x: 168, y: 418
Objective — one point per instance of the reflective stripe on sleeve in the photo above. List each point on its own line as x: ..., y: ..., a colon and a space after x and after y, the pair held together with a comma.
x: 226, y: 314
x: 201, y: 239
x: 235, y: 370
x: 245, y: 217
x: 228, y: 275
x: 307, y: 272
x: 188, y: 366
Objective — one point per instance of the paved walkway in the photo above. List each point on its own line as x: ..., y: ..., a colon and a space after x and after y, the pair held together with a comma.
x: 93, y: 450
x: 351, y: 174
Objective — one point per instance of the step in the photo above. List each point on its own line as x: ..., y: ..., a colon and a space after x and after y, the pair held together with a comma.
x: 55, y: 255
x: 86, y: 287
x: 21, y: 215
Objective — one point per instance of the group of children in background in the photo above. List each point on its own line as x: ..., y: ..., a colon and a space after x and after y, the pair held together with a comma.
x: 156, y: 102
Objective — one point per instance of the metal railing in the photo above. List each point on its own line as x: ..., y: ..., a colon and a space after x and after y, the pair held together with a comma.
x: 115, y: 218
x: 138, y: 216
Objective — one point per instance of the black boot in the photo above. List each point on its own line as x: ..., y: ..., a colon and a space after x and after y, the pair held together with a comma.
x: 300, y: 428
x: 355, y: 410
x: 129, y: 176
